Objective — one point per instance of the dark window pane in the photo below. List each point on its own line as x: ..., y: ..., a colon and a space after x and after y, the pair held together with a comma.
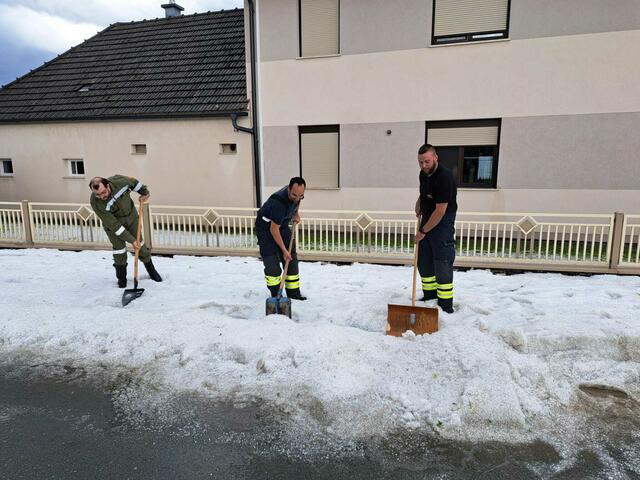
x: 80, y: 168
x: 73, y: 168
x: 478, y: 165
x: 7, y: 166
x: 448, y: 156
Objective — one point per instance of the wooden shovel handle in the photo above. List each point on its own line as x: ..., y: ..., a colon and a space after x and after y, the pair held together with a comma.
x: 138, y: 235
x: 286, y: 265
x: 415, y: 266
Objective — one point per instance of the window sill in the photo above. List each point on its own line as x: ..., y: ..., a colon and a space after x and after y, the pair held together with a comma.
x: 6, y: 175
x: 476, y: 42
x: 331, y: 55
x: 75, y: 177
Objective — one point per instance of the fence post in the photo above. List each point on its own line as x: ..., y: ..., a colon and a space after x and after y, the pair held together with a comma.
x: 617, y: 240
x: 26, y: 222
x: 146, y: 226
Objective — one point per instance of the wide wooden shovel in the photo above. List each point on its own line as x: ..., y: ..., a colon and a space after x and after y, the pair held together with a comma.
x: 131, y: 294
x: 280, y: 304
x: 419, y: 320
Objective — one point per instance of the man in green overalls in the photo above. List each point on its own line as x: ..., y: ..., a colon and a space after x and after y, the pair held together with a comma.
x: 111, y: 201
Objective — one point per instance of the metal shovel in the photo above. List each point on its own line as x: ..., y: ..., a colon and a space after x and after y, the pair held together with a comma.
x: 420, y: 320
x: 279, y: 304
x: 131, y: 294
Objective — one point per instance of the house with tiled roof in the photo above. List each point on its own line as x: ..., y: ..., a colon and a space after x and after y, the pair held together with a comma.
x: 164, y: 100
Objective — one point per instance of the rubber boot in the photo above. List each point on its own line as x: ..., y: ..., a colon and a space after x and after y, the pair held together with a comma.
x: 151, y: 270
x: 446, y: 304
x: 121, y: 274
x: 294, y: 294
x: 429, y: 295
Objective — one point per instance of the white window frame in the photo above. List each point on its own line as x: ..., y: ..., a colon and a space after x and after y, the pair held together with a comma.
x: 318, y: 129
x: 302, y: 51
x: 3, y: 173
x: 468, y: 37
x: 228, y: 149
x: 134, y: 149
x: 70, y: 164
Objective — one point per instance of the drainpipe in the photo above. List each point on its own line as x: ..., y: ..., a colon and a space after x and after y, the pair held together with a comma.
x: 254, y: 107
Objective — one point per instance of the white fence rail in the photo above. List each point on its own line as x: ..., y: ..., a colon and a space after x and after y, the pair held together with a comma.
x: 203, y: 228
x: 12, y: 227
x: 502, y: 240
x: 630, y: 248
x: 65, y: 223
x: 535, y: 237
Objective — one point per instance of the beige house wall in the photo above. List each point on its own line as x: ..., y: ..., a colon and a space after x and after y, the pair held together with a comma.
x: 476, y: 200
x: 593, y: 73
x: 572, y: 163
x: 183, y: 164
x: 368, y: 26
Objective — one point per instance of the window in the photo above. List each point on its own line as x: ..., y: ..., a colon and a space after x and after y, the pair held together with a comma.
x: 319, y: 156
x: 319, y: 27
x: 456, y: 21
x: 469, y: 149
x: 75, y: 167
x: 228, y: 148
x: 6, y: 167
x: 139, y: 149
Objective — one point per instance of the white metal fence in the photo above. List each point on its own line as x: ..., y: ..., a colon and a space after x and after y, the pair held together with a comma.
x: 577, y: 242
x: 11, y: 223
x: 65, y: 223
x: 630, y: 253
x: 548, y: 238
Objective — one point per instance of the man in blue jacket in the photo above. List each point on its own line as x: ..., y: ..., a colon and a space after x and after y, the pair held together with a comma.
x: 274, y: 234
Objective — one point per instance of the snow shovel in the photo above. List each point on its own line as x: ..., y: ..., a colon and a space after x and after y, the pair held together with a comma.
x: 280, y: 304
x: 420, y: 320
x: 131, y: 294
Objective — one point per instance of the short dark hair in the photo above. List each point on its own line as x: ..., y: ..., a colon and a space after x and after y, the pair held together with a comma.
x: 297, y: 181
x: 427, y: 147
x: 97, y: 180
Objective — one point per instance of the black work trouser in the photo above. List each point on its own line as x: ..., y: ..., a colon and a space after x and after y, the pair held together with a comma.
x: 436, y: 253
x: 274, y: 261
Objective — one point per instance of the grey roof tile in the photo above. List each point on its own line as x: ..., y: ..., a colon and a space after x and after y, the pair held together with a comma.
x: 192, y: 64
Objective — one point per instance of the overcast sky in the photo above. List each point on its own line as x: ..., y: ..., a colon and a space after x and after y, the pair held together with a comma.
x: 35, y: 31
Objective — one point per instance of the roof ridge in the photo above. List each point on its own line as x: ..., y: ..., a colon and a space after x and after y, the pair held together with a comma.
x: 157, y: 19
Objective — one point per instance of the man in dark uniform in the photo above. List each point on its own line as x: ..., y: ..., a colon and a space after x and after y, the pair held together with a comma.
x: 437, y: 247
x: 111, y: 201
x: 274, y: 234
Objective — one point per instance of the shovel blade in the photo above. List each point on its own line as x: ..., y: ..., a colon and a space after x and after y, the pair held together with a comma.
x: 420, y: 320
x: 130, y: 295
x: 280, y: 306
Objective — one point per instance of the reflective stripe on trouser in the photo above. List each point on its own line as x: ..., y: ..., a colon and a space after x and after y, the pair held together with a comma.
x: 292, y: 281
x: 273, y: 270
x: 445, y: 291
x: 272, y: 281
x: 436, y: 253
x: 120, y: 247
x: 429, y: 283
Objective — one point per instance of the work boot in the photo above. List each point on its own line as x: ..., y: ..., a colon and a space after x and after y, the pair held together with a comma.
x: 429, y: 295
x: 121, y: 274
x: 151, y: 270
x: 446, y: 304
x: 294, y: 294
